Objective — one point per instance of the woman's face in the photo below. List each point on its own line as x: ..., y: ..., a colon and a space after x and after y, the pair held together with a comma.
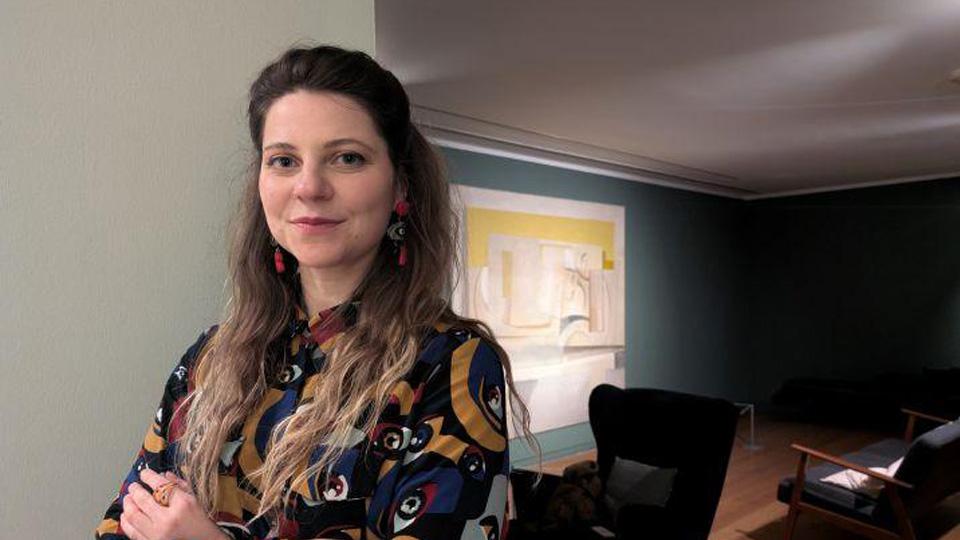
x: 326, y: 181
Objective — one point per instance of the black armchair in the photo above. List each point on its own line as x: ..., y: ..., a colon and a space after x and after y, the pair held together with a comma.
x: 670, y: 430
x: 690, y: 434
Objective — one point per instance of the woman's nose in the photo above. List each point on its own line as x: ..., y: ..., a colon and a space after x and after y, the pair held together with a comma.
x: 313, y: 184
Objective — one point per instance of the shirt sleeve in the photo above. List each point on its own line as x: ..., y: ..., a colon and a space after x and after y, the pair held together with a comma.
x: 449, y: 481
x: 159, y: 447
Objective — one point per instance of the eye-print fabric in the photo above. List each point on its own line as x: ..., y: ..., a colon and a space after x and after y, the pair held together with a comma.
x: 434, y: 467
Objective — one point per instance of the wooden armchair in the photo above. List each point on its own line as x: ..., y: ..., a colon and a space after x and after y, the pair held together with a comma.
x: 930, y: 472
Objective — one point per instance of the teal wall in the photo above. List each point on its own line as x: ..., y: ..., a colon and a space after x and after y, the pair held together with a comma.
x: 684, y: 268
x: 854, y: 283
x: 730, y: 298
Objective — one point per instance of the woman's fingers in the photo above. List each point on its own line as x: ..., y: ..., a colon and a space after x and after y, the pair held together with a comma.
x: 153, y: 479
x: 129, y: 529
x: 131, y: 517
x: 144, y: 500
x: 181, y: 483
x: 130, y: 502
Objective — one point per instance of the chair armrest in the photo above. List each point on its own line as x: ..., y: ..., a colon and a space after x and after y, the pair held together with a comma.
x: 889, y: 480
x: 912, y: 420
x: 926, y: 416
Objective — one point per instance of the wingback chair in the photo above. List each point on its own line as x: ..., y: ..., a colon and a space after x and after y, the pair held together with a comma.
x: 690, y: 434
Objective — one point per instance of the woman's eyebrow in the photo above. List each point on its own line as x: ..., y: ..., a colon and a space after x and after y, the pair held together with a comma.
x: 328, y: 144
x: 280, y: 145
x: 338, y: 142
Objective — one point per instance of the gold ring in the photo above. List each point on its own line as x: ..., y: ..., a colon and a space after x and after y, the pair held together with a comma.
x: 162, y: 493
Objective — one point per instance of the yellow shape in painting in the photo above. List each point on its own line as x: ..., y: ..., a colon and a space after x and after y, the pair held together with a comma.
x: 507, y: 274
x: 482, y: 222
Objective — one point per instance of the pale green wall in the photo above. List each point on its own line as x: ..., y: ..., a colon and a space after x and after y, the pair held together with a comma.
x: 122, y: 134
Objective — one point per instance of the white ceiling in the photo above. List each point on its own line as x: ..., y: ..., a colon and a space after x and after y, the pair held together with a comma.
x: 744, y: 98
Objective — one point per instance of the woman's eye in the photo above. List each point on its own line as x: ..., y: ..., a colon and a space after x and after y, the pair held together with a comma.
x: 280, y: 161
x: 351, y: 159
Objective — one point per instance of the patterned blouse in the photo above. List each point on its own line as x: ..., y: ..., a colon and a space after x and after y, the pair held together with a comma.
x: 435, y: 466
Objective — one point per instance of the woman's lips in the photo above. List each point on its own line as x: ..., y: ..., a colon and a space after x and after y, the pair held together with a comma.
x: 312, y: 227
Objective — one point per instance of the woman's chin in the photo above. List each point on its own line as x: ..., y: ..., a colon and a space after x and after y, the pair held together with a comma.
x: 326, y: 260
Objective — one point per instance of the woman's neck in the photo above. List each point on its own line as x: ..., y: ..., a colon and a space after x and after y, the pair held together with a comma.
x: 323, y: 289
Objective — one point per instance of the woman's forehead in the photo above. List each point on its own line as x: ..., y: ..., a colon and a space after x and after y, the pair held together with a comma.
x: 318, y: 118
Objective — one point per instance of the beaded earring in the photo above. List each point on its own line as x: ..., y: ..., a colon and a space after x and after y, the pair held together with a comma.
x: 278, y: 263
x: 397, y: 231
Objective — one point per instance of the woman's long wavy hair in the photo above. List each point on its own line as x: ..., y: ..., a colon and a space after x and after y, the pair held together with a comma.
x: 398, y: 305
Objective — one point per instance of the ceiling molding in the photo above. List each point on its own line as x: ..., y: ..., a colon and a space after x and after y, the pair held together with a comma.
x: 845, y: 187
x: 465, y: 133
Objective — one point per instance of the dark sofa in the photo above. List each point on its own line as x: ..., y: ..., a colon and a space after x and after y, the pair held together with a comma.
x: 870, y: 402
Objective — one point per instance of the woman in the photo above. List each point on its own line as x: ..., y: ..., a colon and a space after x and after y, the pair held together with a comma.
x: 340, y: 397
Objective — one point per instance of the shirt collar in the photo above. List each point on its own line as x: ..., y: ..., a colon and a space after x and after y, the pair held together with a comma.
x: 320, y: 327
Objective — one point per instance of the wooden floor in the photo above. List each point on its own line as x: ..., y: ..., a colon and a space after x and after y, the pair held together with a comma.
x: 749, y: 509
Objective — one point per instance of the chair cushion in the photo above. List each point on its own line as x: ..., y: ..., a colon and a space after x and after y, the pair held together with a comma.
x: 837, y: 499
x: 635, y: 483
x: 857, y: 481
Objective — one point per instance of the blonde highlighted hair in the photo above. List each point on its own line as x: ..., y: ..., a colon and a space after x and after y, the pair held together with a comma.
x: 398, y: 304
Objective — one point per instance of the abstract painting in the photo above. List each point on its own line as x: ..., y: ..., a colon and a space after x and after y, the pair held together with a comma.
x: 547, y: 275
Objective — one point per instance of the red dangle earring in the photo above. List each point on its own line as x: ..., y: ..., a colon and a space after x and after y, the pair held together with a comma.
x: 397, y: 231
x: 277, y: 257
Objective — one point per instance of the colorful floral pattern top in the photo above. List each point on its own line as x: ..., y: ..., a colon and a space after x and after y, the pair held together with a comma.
x: 435, y: 466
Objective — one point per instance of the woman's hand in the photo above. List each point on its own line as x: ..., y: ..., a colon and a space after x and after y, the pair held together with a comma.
x: 143, y: 518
